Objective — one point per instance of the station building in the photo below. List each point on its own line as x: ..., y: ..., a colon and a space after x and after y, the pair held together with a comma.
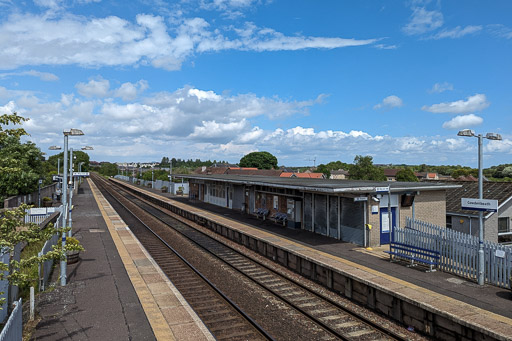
x: 338, y: 209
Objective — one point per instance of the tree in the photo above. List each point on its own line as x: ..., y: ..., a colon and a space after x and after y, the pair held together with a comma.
x: 108, y: 169
x: 324, y: 169
x: 260, y: 160
x: 19, y: 166
x: 406, y: 174
x: 363, y: 169
x: 20, y: 163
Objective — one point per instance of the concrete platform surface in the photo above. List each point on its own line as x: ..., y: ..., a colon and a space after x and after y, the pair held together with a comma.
x: 115, y: 291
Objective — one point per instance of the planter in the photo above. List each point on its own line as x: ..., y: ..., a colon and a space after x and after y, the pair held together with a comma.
x: 72, y: 256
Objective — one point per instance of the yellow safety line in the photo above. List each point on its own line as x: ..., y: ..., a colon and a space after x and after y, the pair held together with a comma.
x: 155, y: 317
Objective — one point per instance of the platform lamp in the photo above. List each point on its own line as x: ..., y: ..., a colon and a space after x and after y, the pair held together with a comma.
x: 58, y: 159
x: 87, y: 148
x: 63, y: 262
x: 481, y: 258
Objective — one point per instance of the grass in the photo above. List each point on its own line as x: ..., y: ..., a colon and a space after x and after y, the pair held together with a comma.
x: 30, y: 250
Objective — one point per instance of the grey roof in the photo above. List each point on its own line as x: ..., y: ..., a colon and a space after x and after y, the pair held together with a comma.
x: 501, y: 191
x: 322, y: 185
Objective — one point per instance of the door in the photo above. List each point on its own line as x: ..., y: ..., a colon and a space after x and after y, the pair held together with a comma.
x: 385, y: 231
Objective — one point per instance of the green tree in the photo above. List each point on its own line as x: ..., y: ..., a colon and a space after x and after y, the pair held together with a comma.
x: 108, y: 169
x: 406, y: 174
x: 260, y: 160
x: 363, y: 169
x: 324, y: 169
x: 78, y: 156
x: 20, y: 163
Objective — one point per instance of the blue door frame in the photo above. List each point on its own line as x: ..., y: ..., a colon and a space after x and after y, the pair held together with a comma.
x: 385, y: 235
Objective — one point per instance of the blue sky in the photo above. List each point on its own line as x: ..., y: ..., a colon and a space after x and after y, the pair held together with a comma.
x: 304, y: 80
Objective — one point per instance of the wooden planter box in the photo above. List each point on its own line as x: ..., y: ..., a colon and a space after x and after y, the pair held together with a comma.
x: 73, y: 256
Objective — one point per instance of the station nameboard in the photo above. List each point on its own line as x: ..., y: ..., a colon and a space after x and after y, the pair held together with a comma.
x: 361, y: 199
x: 81, y: 174
x: 479, y: 204
x: 382, y: 189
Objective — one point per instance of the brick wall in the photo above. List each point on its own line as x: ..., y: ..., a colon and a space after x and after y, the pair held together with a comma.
x: 429, y: 206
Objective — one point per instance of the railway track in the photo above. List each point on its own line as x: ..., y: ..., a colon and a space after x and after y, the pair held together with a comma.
x: 224, y: 319
x: 331, y: 317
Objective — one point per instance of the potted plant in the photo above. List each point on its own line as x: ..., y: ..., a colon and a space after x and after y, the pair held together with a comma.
x: 47, y: 202
x: 73, y: 249
x: 164, y: 189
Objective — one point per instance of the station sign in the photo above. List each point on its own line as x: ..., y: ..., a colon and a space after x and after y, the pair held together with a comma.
x: 361, y: 199
x: 382, y: 189
x: 479, y: 204
x: 85, y: 174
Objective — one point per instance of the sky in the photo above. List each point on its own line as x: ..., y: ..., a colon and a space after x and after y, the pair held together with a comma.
x: 308, y: 81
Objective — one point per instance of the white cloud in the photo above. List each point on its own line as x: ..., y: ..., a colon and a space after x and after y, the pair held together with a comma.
x: 129, y: 91
x: 94, y: 88
x: 457, y: 32
x: 212, y: 130
x: 503, y: 146
x: 113, y: 41
x: 500, y: 30
x: 452, y: 144
x: 473, y: 103
x: 44, y: 76
x: 389, y: 103
x: 463, y: 121
x: 441, y: 87
x: 422, y: 21
x: 8, y: 109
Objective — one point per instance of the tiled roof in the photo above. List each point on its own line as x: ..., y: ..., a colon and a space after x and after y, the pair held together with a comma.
x: 500, y: 191
x: 302, y: 175
x: 390, y: 171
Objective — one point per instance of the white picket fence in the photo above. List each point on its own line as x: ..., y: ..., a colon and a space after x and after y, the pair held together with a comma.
x: 458, y: 251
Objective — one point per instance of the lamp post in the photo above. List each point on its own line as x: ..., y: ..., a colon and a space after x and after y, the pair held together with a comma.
x: 58, y: 164
x: 481, y: 257
x: 63, y: 262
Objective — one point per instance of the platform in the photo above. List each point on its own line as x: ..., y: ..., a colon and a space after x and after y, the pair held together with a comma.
x: 443, y: 300
x: 116, y: 291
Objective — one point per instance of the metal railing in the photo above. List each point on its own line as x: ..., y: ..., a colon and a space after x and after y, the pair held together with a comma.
x: 458, y: 251
x: 40, y: 214
x: 13, y: 329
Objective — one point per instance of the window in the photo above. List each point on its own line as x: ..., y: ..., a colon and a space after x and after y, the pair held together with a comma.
x: 503, y: 224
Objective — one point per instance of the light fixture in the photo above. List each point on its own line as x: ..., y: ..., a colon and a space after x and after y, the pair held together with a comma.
x: 493, y: 136
x: 55, y: 148
x: 73, y: 132
x: 466, y: 132
x: 87, y: 148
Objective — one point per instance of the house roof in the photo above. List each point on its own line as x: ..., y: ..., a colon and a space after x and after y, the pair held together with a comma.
x: 390, y: 171
x: 322, y: 185
x: 339, y: 171
x: 501, y: 191
x: 302, y: 175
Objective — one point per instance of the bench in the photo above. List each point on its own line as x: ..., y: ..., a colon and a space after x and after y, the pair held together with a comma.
x: 280, y: 218
x: 261, y: 213
x: 414, y: 254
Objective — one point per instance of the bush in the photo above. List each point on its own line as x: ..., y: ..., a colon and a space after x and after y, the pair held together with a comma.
x: 164, y: 189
